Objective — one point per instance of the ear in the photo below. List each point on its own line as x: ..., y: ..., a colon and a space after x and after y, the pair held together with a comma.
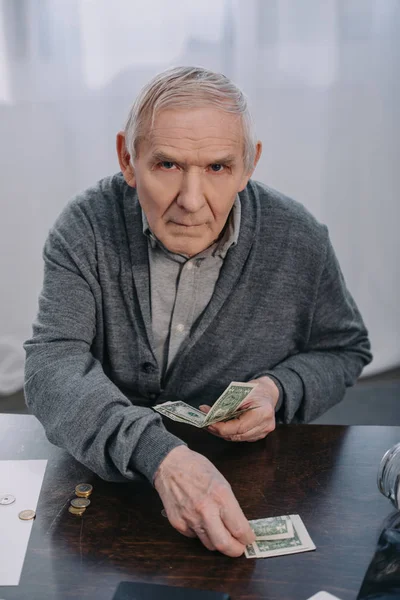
x: 246, y: 176
x: 124, y: 159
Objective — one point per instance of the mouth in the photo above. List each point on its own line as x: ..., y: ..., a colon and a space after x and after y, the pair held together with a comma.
x: 187, y: 225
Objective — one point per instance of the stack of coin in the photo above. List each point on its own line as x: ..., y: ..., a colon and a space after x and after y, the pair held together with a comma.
x: 80, y: 504
x: 83, y: 490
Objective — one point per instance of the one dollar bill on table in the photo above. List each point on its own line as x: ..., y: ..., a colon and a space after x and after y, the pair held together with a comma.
x: 273, y: 528
x: 277, y: 536
x: 224, y: 408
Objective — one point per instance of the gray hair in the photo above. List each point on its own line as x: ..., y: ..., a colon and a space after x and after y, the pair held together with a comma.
x: 189, y: 87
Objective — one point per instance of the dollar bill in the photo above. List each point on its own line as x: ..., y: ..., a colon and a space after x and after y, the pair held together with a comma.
x: 273, y: 528
x: 225, y: 408
x: 299, y: 542
x: 229, y: 401
x: 180, y: 411
x: 250, y: 552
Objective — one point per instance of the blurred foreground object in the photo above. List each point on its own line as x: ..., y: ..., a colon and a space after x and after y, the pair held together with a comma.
x: 389, y: 475
x: 382, y: 579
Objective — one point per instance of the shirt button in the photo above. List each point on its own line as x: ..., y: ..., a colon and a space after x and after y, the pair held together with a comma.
x: 180, y: 327
x: 152, y: 396
x: 189, y: 266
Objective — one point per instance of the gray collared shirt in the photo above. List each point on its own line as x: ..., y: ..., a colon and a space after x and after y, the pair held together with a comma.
x: 181, y: 287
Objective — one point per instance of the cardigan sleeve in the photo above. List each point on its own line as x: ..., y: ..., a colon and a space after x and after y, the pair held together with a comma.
x: 338, y: 348
x: 66, y: 388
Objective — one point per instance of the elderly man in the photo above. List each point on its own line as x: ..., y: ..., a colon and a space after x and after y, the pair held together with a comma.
x: 171, y: 279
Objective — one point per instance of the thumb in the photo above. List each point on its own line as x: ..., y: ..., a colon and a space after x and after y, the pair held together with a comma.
x: 204, y: 408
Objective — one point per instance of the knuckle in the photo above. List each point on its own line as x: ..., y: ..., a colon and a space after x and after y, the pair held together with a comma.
x: 268, y: 414
x: 223, y: 489
x: 239, y: 531
x: 221, y: 494
x: 199, y: 531
x: 269, y: 429
x: 201, y: 509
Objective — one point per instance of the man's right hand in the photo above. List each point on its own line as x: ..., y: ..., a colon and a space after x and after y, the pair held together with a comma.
x: 199, y: 502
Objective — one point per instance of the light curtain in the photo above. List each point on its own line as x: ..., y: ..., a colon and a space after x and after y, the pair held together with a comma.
x: 324, y: 87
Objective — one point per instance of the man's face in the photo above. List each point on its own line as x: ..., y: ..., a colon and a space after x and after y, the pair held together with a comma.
x: 188, y: 171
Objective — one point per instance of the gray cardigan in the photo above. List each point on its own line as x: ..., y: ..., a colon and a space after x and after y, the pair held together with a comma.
x: 280, y: 307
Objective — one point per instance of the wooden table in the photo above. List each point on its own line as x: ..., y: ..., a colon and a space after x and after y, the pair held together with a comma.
x: 327, y: 474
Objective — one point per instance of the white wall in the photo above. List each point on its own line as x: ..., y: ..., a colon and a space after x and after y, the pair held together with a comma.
x: 323, y: 81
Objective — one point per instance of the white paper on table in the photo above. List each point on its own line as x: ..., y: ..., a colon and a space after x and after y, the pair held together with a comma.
x: 23, y: 479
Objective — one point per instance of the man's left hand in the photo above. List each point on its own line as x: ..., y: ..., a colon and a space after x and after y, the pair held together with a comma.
x: 254, y: 424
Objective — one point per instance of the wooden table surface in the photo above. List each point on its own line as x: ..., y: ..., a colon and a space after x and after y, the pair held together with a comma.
x: 327, y: 474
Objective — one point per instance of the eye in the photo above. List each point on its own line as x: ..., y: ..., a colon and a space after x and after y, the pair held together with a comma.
x: 217, y: 168
x: 166, y: 164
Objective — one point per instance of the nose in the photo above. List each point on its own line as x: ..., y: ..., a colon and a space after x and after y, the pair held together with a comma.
x: 191, y: 197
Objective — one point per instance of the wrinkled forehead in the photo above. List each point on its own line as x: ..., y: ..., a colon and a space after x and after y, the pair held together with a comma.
x: 200, y: 130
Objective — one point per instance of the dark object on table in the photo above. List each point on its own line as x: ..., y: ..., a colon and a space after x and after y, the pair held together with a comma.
x: 389, y: 475
x: 382, y: 579
x: 128, y: 590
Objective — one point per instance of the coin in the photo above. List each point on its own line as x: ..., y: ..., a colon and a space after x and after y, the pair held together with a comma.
x: 76, y: 511
x: 80, y: 502
x: 83, y: 490
x: 7, y: 499
x: 27, y: 515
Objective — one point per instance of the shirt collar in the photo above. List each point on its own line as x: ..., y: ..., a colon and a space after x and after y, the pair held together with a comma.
x: 220, y: 248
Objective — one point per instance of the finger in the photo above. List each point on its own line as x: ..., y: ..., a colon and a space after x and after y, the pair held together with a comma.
x: 247, y: 403
x: 181, y: 526
x: 245, y: 422
x: 220, y: 537
x: 205, y: 540
x: 255, y: 437
x: 234, y: 520
x: 188, y: 533
x: 204, y: 408
x: 209, y: 430
x: 255, y: 434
